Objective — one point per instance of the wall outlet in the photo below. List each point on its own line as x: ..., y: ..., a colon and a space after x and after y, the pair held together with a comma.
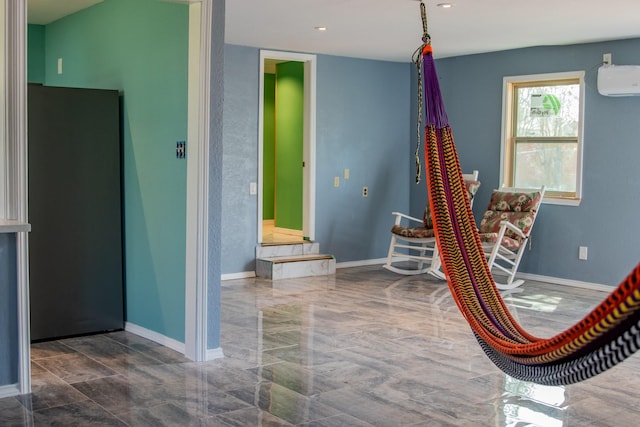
x: 253, y: 188
x: 606, y: 59
x: 346, y: 174
x: 365, y: 192
x: 583, y: 252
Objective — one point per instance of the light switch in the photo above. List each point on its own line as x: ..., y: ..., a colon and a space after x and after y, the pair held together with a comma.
x: 253, y: 188
x: 336, y: 181
x: 346, y: 174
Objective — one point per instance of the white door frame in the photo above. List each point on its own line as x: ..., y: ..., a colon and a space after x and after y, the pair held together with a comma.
x: 309, y: 139
x: 197, y: 217
x: 15, y: 171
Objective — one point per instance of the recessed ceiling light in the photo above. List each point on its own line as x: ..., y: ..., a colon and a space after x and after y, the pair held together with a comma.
x: 321, y: 28
x: 445, y: 5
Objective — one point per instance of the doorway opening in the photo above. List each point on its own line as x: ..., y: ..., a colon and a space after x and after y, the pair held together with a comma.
x: 286, y: 154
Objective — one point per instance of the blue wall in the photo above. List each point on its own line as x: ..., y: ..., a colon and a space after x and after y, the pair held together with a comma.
x: 110, y: 46
x: 606, y: 220
x: 8, y: 310
x: 240, y: 158
x: 215, y: 173
x: 363, y: 123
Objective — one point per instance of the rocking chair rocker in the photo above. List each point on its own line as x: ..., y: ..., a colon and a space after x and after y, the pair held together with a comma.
x: 416, y: 243
x: 505, y: 229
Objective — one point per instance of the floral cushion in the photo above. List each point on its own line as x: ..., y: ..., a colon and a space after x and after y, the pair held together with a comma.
x: 416, y: 232
x: 507, y: 242
x: 514, y: 202
x: 472, y: 189
x: 516, y: 208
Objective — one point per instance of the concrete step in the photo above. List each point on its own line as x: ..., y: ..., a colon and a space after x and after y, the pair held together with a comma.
x: 287, y: 267
x: 268, y: 250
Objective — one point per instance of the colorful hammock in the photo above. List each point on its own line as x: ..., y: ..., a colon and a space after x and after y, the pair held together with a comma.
x: 606, y: 336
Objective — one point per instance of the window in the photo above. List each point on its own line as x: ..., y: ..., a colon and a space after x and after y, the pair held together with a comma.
x: 542, y: 134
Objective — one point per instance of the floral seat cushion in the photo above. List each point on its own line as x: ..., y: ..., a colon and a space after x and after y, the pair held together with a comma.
x: 507, y: 242
x: 517, y: 208
x: 413, y: 232
x: 427, y: 230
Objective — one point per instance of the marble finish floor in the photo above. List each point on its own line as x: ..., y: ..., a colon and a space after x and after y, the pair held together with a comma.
x: 362, y: 348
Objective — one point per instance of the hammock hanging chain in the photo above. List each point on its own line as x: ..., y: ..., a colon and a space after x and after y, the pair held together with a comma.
x: 419, y: 125
x: 417, y: 59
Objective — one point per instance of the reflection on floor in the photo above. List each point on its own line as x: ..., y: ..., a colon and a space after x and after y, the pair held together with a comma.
x: 362, y: 348
x: 272, y: 234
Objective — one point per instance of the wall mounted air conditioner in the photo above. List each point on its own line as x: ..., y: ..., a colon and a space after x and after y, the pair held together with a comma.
x: 619, y: 80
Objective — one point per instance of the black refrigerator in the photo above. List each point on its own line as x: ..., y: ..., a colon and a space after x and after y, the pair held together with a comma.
x: 75, y: 211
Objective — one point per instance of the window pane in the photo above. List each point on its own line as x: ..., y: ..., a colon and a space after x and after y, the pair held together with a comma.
x: 548, y: 111
x: 549, y: 163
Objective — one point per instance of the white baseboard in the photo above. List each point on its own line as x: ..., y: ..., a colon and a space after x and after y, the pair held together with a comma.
x: 241, y: 275
x: 155, y: 337
x: 361, y: 263
x: 9, y: 390
x: 381, y: 261
x: 566, y: 282
x: 212, y: 354
x: 215, y: 353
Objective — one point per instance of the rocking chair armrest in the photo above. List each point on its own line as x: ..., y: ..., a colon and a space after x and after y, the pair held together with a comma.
x: 400, y: 215
x: 511, y: 227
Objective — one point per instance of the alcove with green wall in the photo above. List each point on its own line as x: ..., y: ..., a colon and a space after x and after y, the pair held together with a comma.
x: 268, y: 147
x: 283, y: 145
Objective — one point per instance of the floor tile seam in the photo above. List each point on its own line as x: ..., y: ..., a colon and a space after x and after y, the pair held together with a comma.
x: 134, y: 349
x: 221, y: 416
x: 120, y: 415
x: 111, y: 377
x: 117, y: 414
x: 89, y: 356
x: 52, y: 356
x: 86, y: 398
x: 114, y: 415
x: 70, y: 383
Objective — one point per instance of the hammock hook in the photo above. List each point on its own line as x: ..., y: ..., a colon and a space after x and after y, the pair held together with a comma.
x: 426, y: 38
x: 417, y: 60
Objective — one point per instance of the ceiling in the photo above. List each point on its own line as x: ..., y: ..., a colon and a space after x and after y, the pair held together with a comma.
x: 43, y: 12
x: 391, y: 29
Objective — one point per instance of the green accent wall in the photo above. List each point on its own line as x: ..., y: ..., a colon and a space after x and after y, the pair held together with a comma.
x: 140, y: 48
x: 289, y: 144
x: 35, y: 53
x: 268, y: 146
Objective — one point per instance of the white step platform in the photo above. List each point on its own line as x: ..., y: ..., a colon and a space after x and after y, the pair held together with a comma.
x: 286, y: 261
x: 270, y: 250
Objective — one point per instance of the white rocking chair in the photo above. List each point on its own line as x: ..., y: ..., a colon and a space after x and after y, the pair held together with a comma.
x: 415, y: 243
x: 505, y: 229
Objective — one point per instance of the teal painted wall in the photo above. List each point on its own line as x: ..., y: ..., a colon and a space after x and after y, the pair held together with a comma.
x: 268, y: 146
x: 141, y: 48
x: 35, y: 53
x: 289, y: 144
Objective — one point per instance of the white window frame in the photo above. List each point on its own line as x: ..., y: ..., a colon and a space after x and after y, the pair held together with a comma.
x: 508, y: 84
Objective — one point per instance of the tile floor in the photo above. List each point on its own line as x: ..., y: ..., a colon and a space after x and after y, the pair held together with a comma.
x: 362, y: 348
